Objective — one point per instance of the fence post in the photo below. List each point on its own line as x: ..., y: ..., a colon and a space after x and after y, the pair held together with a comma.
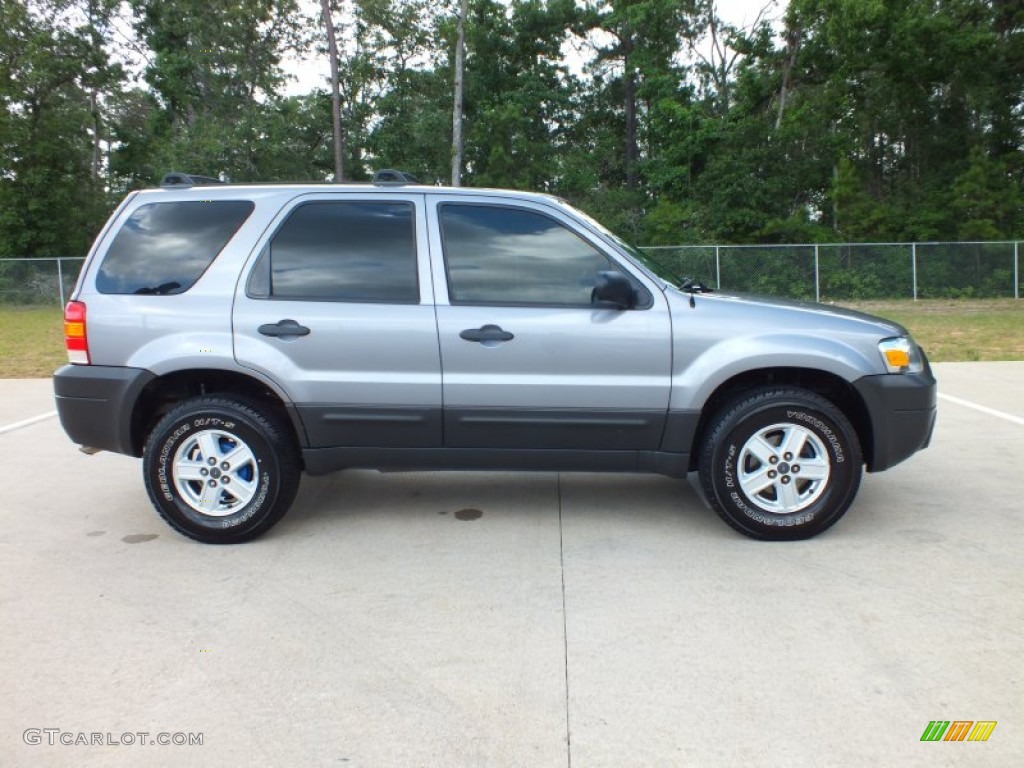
x: 913, y: 266
x: 60, y: 282
x: 718, y: 270
x: 817, y: 275
x: 1016, y: 269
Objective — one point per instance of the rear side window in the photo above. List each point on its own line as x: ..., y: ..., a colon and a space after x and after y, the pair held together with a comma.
x: 342, y: 251
x: 164, y: 248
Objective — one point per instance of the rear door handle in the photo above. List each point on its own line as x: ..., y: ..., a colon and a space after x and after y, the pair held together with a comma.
x: 284, y: 328
x: 486, y: 333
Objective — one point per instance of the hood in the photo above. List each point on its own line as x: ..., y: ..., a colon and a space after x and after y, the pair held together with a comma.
x: 790, y: 312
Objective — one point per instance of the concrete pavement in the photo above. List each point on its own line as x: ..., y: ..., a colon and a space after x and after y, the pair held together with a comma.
x: 460, y: 619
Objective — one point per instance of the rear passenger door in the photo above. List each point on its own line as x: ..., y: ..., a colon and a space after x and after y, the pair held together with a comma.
x: 528, y: 360
x: 337, y: 307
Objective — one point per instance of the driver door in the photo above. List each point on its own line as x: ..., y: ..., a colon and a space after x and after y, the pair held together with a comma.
x: 527, y: 361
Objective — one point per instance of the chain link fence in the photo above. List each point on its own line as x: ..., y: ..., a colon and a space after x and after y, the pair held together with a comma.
x: 825, y: 272
x: 848, y: 271
x: 38, y: 281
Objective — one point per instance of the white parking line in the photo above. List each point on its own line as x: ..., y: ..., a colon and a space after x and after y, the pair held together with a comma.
x: 984, y: 409
x: 27, y: 422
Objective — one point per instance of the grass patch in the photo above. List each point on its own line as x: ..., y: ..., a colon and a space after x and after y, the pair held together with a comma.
x: 958, y: 330
x: 31, y: 341
x: 953, y: 330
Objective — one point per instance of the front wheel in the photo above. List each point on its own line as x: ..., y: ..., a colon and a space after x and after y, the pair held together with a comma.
x: 780, y: 464
x: 221, y: 470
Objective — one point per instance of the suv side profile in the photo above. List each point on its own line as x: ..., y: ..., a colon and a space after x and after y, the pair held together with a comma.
x: 234, y: 336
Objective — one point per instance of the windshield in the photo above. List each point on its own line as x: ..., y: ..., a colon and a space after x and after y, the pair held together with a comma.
x: 635, y: 255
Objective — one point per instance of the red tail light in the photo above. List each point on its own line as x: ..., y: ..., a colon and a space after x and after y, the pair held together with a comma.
x: 74, y: 333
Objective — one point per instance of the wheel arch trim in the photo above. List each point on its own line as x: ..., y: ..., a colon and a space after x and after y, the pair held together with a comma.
x: 146, y: 409
x: 836, y: 389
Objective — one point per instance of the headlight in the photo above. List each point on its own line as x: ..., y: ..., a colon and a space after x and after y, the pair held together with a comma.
x: 901, y: 355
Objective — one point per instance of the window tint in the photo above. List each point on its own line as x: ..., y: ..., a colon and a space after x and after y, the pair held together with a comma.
x: 164, y: 247
x: 345, y: 251
x: 498, y: 255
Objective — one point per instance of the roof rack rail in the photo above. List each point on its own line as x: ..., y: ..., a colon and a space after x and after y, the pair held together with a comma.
x: 387, y: 177
x: 177, y: 180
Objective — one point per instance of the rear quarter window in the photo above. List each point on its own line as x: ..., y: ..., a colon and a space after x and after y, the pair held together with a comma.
x: 163, y: 248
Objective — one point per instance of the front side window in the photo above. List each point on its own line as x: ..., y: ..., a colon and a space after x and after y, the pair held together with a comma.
x: 163, y: 248
x: 342, y: 251
x: 503, y: 255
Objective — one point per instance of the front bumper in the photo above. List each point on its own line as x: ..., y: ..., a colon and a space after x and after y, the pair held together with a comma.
x: 95, y: 404
x: 901, y: 407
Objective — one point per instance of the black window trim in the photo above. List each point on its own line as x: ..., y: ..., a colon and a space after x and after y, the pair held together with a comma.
x: 645, y: 300
x: 264, y: 255
x: 107, y: 246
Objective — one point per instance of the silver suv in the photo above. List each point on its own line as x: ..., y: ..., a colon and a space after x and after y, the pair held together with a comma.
x: 235, y: 336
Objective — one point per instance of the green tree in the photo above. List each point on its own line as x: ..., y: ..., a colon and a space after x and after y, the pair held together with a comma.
x: 214, y: 76
x: 985, y: 199
x: 907, y: 88
x: 51, y: 76
x: 518, y: 99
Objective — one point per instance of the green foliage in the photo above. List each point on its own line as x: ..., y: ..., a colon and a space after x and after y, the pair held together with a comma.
x: 866, y: 120
x: 214, y: 79
x: 50, y: 201
x: 985, y: 199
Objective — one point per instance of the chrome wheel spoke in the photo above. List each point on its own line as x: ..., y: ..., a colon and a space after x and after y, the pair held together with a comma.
x: 209, y: 499
x: 783, y: 468
x: 208, y: 446
x: 789, y: 498
x: 793, y: 442
x: 242, y: 490
x: 760, y: 449
x: 238, y: 456
x: 756, y: 482
x: 814, y: 469
x: 209, y: 488
x: 186, y: 470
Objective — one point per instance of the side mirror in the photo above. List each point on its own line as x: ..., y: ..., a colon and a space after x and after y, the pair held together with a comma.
x: 613, y: 290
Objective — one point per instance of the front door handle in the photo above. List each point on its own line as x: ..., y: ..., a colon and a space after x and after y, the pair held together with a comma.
x: 284, y: 328
x: 486, y: 333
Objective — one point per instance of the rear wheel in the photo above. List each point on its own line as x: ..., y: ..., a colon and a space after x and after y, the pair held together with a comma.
x: 221, y: 470
x: 780, y: 464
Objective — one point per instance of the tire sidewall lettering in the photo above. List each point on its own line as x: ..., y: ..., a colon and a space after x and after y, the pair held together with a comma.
x: 212, y: 422
x: 729, y: 468
x: 176, y: 506
x: 732, y: 495
x: 823, y: 430
x: 164, y: 461
x: 737, y: 437
x: 253, y: 506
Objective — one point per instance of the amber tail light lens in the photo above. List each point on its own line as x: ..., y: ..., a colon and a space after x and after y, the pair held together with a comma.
x: 75, y: 340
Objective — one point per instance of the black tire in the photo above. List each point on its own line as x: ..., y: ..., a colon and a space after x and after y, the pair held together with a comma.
x: 804, y: 500
x: 266, y: 471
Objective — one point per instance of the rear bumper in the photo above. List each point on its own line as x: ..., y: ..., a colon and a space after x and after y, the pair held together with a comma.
x: 902, y: 410
x: 95, y: 404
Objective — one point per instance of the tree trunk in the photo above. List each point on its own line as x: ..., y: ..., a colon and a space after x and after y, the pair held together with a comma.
x: 629, y: 87
x: 793, y: 37
x: 332, y: 52
x: 97, y: 127
x: 460, y: 62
